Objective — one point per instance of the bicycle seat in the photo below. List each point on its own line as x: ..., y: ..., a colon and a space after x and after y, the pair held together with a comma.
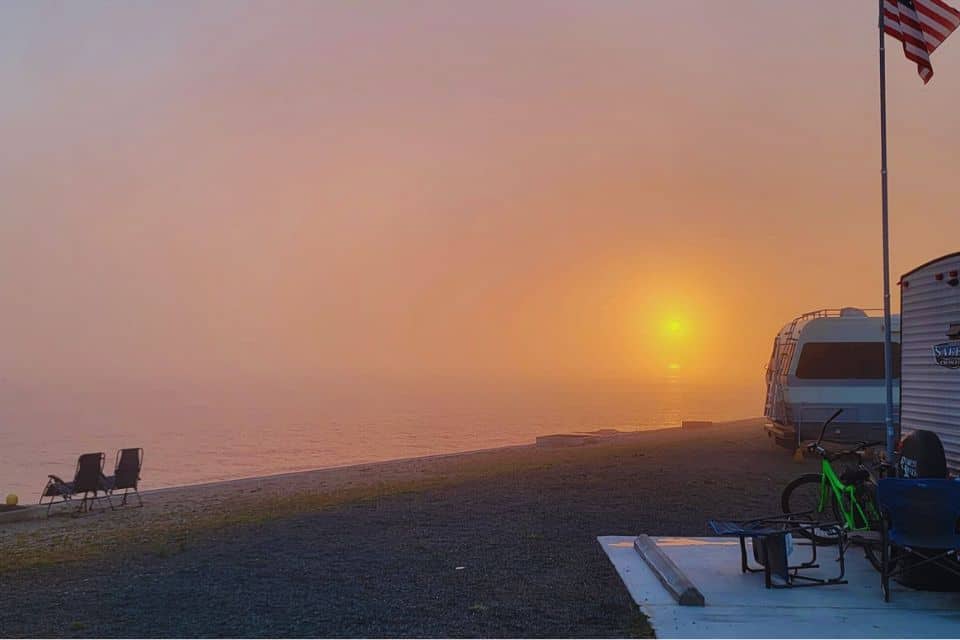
x: 853, y: 475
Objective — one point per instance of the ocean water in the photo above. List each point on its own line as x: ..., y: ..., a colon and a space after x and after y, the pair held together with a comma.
x: 192, y: 435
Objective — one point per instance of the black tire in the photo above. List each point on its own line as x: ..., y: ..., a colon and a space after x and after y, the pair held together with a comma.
x: 867, y: 497
x: 873, y: 552
x: 803, y: 495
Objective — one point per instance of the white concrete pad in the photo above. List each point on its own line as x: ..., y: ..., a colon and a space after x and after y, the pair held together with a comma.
x: 738, y: 605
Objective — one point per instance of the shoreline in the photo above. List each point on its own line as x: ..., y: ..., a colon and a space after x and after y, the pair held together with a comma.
x: 604, y: 434
x: 177, y: 510
x: 425, y: 458
x: 498, y: 542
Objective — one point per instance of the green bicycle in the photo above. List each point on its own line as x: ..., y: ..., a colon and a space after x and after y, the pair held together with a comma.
x: 848, y: 497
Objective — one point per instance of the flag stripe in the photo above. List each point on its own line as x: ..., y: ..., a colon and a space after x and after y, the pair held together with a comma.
x: 950, y: 15
x: 922, y: 26
x: 935, y: 21
x: 916, y: 28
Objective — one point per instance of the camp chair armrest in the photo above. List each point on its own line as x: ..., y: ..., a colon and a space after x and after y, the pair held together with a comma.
x: 108, y: 482
x: 56, y: 488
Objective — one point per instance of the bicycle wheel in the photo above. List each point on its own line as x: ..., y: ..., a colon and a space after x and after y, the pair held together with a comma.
x: 867, y: 495
x: 872, y: 551
x: 803, y: 496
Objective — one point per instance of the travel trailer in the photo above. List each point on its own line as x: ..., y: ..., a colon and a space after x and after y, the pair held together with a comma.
x: 827, y: 360
x: 930, y: 386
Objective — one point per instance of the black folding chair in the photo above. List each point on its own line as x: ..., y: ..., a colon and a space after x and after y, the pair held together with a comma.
x: 921, y: 521
x: 87, y: 480
x: 126, y: 474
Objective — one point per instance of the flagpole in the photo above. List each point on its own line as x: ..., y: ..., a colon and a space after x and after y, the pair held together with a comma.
x: 887, y: 343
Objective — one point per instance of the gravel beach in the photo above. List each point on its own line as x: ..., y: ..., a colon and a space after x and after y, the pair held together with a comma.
x: 494, y: 543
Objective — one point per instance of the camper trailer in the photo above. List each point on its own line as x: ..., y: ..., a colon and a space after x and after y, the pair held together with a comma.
x: 930, y: 386
x: 827, y: 360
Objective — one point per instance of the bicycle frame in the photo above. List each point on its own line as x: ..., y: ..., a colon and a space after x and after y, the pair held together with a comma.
x: 854, y: 517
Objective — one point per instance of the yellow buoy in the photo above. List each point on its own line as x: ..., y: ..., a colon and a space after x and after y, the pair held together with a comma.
x: 12, y: 500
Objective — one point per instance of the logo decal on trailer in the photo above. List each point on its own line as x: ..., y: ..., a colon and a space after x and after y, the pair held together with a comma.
x: 947, y: 354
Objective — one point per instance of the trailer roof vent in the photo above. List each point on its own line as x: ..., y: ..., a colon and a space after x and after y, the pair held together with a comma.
x: 852, y: 312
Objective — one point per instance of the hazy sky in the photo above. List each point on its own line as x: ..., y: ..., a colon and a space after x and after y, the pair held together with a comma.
x: 419, y: 189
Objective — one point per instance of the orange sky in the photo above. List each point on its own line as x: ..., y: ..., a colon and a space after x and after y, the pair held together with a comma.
x: 505, y: 190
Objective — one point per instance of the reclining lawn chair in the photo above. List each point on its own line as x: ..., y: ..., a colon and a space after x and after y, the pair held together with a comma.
x: 126, y: 474
x: 87, y: 480
x: 920, y: 521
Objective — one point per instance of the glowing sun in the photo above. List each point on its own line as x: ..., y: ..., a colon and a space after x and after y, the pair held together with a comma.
x: 673, y: 327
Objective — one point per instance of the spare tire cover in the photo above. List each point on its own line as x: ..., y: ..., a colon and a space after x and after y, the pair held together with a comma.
x: 921, y: 456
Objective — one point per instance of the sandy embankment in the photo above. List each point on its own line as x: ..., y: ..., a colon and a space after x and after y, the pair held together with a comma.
x: 172, y: 516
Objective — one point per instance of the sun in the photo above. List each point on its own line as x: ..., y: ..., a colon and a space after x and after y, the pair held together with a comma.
x: 672, y: 327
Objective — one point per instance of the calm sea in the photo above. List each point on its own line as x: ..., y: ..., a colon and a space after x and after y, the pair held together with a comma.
x: 192, y: 437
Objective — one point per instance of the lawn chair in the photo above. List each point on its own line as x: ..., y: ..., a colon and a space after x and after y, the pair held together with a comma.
x: 126, y: 474
x: 87, y: 480
x: 920, y: 521
x: 772, y: 538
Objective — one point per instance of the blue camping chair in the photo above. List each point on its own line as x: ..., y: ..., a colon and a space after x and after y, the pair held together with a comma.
x: 921, y: 518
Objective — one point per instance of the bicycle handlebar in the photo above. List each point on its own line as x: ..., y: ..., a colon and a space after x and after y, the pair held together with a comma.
x: 856, y: 449
x: 823, y: 427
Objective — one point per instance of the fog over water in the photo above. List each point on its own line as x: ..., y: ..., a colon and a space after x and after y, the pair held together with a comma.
x: 196, y: 435
x: 253, y: 237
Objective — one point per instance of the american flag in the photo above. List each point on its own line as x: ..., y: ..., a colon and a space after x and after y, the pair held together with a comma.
x: 922, y: 25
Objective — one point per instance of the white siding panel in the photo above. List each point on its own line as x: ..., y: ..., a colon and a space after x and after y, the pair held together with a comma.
x: 930, y: 393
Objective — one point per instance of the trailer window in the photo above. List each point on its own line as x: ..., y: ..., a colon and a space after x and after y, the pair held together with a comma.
x: 845, y: 360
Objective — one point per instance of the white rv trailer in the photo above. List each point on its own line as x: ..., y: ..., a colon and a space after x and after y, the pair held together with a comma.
x: 827, y: 360
x: 930, y: 387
